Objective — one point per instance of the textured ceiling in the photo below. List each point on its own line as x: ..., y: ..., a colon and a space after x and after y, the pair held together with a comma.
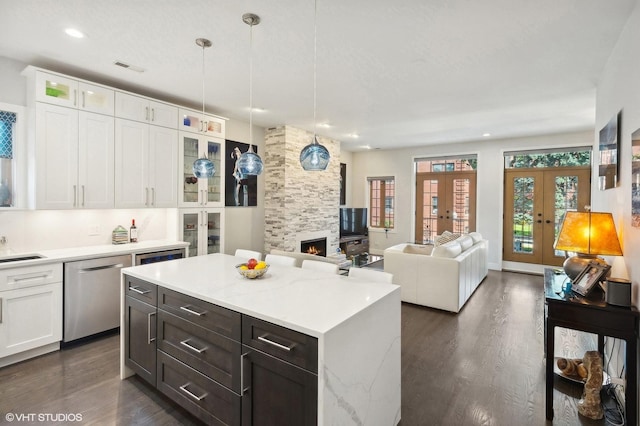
x: 397, y: 73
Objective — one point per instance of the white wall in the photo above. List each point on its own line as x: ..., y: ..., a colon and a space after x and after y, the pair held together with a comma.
x: 619, y: 90
x: 399, y: 163
x: 40, y: 230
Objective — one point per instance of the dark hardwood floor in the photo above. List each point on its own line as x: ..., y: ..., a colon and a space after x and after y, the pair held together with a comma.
x: 483, y: 366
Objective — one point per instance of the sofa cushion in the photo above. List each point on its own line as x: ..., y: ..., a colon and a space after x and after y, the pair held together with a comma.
x: 417, y: 249
x: 476, y: 237
x: 445, y: 237
x: 450, y: 249
x: 465, y: 241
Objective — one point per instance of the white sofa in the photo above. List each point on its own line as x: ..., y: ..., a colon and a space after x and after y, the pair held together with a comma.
x: 442, y: 277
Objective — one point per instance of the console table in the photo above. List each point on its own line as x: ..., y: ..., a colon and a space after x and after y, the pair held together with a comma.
x: 592, y: 316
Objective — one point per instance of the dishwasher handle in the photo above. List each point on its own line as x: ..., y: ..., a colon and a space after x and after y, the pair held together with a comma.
x: 99, y: 268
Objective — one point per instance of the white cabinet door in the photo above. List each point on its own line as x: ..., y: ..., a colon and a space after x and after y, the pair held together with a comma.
x: 56, y: 155
x: 96, y: 161
x: 163, y: 167
x: 131, y: 164
x: 146, y: 110
x: 71, y: 93
x: 30, y: 317
x: 202, y: 192
x: 194, y: 122
x: 203, y: 229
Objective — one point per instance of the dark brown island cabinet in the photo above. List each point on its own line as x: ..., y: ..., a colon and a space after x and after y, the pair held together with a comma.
x: 224, y: 367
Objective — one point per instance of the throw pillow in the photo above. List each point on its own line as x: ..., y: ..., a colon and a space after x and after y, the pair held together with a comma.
x: 445, y: 238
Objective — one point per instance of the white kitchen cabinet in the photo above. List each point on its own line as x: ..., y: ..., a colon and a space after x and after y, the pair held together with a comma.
x: 195, y: 122
x: 202, y: 192
x: 146, y: 164
x: 30, y: 309
x: 203, y: 229
x: 146, y: 110
x: 68, y: 92
x: 74, y: 158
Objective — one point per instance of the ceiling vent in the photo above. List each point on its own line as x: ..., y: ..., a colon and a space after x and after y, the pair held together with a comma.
x: 129, y: 67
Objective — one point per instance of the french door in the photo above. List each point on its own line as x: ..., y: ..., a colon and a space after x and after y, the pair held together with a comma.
x: 536, y: 201
x: 444, y: 202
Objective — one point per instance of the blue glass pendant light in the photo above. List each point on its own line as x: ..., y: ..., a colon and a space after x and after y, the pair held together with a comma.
x: 249, y: 162
x: 203, y: 168
x: 314, y: 157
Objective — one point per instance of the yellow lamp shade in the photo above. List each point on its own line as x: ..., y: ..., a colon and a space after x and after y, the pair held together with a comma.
x: 589, y: 233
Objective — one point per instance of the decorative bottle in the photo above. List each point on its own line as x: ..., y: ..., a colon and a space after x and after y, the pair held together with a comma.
x: 133, y: 232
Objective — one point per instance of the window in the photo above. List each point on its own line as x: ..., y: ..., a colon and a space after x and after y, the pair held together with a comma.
x: 381, y: 202
x: 7, y: 135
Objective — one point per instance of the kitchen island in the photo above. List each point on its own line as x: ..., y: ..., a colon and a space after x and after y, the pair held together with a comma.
x: 336, y: 338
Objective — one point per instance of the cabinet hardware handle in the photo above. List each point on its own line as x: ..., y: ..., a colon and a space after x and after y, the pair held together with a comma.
x: 191, y: 311
x: 75, y: 196
x: 242, y: 388
x: 75, y: 97
x: 137, y: 290
x: 35, y: 277
x: 153, y: 114
x: 82, y: 195
x: 83, y: 102
x: 277, y: 345
x: 149, y: 338
x: 193, y: 348
x: 153, y: 196
x: 184, y: 389
x: 146, y: 196
x: 0, y: 310
x: 146, y: 113
x: 99, y: 268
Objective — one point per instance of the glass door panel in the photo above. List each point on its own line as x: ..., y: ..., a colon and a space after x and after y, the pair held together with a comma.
x: 190, y: 228
x: 189, y: 181
x: 213, y: 232
x: 213, y: 152
x: 460, y: 190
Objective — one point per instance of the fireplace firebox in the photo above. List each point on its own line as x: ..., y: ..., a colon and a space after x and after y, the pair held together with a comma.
x: 317, y: 246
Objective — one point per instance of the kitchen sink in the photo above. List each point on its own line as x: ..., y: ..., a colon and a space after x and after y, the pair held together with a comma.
x: 18, y: 258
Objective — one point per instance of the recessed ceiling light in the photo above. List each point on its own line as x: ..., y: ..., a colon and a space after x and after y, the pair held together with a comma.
x: 72, y: 32
x: 324, y: 125
x: 486, y: 135
x: 258, y: 109
x: 354, y: 135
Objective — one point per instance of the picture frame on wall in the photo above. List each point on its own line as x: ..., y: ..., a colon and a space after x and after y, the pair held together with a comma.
x: 609, y: 149
x: 239, y: 190
x: 635, y: 179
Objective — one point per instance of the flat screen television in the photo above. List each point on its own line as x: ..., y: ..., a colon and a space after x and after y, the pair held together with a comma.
x: 353, y: 221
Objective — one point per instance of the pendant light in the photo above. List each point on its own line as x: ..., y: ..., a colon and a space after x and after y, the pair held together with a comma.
x: 203, y: 167
x: 249, y: 162
x: 314, y: 157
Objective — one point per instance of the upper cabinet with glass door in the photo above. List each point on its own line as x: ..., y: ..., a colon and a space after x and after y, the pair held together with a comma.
x: 71, y: 93
x: 201, y: 192
x: 193, y: 121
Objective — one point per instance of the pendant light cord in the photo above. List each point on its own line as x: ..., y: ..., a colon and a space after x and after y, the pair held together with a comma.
x: 250, y: 88
x: 315, y: 60
x: 203, y: 77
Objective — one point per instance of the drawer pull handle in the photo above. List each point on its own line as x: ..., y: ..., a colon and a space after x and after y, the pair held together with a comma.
x: 242, y: 388
x: 193, y: 348
x: 137, y: 290
x: 0, y: 310
x: 149, y: 338
x: 184, y: 389
x: 33, y: 277
x: 191, y: 311
x: 277, y: 345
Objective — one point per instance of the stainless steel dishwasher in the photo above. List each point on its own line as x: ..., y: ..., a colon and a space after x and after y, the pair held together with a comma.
x: 92, y: 296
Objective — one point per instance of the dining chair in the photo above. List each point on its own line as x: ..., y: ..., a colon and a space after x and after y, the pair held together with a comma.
x: 248, y: 254
x: 276, y: 259
x: 317, y: 265
x: 369, y: 274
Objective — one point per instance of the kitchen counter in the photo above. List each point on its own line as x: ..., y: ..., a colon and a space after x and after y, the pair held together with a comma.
x: 357, y: 324
x: 89, y: 252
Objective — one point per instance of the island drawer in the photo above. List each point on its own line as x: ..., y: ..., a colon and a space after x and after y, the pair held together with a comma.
x: 212, y: 403
x: 221, y: 320
x: 206, y: 351
x: 283, y: 343
x: 141, y: 290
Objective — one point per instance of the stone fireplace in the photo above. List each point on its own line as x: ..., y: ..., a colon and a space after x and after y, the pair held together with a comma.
x: 299, y: 205
x: 317, y: 247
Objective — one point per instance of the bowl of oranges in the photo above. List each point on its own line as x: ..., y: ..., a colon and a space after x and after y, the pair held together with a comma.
x: 252, y: 269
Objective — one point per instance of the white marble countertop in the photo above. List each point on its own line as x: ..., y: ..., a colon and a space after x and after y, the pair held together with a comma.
x: 90, y: 252
x: 310, y: 302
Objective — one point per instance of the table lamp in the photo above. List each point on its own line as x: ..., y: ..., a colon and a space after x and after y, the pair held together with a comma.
x: 588, y: 234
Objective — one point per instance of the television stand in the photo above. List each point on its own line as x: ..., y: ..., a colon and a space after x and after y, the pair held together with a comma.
x: 353, y: 245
